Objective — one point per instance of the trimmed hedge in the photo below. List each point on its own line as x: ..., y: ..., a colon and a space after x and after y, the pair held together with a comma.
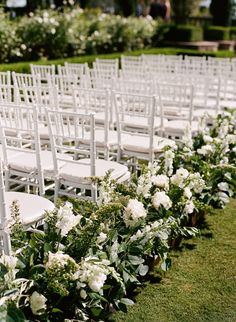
x: 24, y: 67
x: 217, y: 33
x: 232, y: 33
x: 184, y: 33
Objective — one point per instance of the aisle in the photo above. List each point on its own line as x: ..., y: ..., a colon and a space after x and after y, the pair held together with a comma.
x: 201, y: 286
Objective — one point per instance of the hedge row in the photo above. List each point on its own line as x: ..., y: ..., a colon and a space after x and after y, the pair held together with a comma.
x: 24, y: 67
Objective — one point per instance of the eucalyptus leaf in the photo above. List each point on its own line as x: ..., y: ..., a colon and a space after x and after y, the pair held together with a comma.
x: 126, y: 301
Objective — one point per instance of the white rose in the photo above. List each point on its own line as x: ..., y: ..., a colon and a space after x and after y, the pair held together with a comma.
x: 223, y: 197
x: 161, y: 181
x: 96, y: 282
x: 178, y: 178
x: 223, y: 186
x: 187, y: 193
x: 189, y: 207
x: 160, y: 198
x: 133, y: 212
x: 207, y: 139
x: 37, y: 303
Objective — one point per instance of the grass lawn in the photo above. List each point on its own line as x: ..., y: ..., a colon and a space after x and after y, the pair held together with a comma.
x: 201, y: 285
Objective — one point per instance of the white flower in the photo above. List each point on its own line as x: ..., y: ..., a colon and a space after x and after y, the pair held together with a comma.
x: 160, y: 198
x: 224, y: 160
x: 37, y: 303
x: 196, y: 182
x: 161, y: 181
x: 101, y: 238
x: 178, y: 179
x: 187, y: 137
x: 223, y: 186
x: 207, y: 139
x: 83, y: 294
x: 58, y: 259
x: 205, y: 149
x: 187, y: 193
x: 133, y: 212
x: 144, y: 185
x: 168, y: 159
x: 97, y: 281
x: 9, y: 261
x: 223, y: 197
x: 66, y: 219
x: 53, y: 31
x: 189, y: 207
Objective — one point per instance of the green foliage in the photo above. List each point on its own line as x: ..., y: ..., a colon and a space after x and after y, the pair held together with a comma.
x: 221, y: 11
x: 205, y: 287
x: 232, y: 33
x: 49, y: 34
x: 183, y: 9
x: 184, y: 33
x: 24, y: 67
x: 217, y: 33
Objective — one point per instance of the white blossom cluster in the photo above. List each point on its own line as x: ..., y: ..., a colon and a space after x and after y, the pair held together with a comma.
x: 91, y: 272
x: 66, y: 220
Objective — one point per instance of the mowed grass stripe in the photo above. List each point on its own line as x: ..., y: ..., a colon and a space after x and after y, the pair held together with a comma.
x: 201, y: 285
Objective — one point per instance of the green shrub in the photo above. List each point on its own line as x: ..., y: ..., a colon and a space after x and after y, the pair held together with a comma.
x: 232, y: 33
x: 24, y: 67
x: 184, y: 33
x: 217, y: 33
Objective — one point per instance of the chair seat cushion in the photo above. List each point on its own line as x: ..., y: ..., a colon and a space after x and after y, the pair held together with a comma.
x: 26, y: 162
x: 31, y: 207
x: 112, y: 139
x: 141, y: 123
x: 141, y: 144
x: 179, y: 126
x: 79, y: 172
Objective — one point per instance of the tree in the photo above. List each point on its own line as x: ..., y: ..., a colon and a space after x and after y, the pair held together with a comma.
x: 182, y: 9
x: 221, y: 11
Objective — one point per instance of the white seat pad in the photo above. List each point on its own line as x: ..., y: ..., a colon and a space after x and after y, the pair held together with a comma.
x: 80, y: 171
x: 179, y: 126
x: 141, y: 122
x: 26, y: 162
x: 137, y: 143
x: 31, y: 207
x: 100, y: 138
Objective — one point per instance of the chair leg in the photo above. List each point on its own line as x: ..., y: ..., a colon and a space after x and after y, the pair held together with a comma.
x: 56, y: 190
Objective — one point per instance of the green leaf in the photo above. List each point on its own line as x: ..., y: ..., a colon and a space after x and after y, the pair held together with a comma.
x: 165, y: 266
x: 126, y: 301
x: 143, y: 269
x: 55, y: 310
x: 135, y: 260
x: 96, y: 311
x: 14, y: 314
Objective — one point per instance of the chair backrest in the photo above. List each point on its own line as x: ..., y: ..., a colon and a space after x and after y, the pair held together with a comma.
x: 21, y: 79
x: 140, y: 87
x: 106, y: 68
x: 176, y: 100
x: 67, y: 132
x: 5, y: 241
x: 43, y: 71
x: 20, y: 135
x: 76, y: 69
x: 141, y: 107
x: 5, y: 78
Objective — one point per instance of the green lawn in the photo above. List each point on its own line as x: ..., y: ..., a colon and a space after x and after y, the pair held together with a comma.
x: 201, y: 285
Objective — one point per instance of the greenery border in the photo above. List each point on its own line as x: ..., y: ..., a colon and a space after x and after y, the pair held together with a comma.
x: 24, y: 67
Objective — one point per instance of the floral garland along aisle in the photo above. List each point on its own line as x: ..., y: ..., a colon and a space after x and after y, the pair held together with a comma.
x: 81, y: 266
